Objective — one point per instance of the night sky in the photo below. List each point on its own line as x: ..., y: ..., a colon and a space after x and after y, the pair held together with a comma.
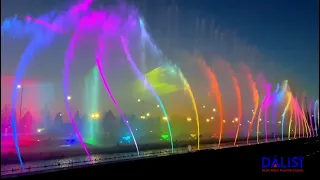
x: 285, y: 32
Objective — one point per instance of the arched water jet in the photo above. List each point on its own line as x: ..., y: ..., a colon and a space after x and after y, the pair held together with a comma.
x: 142, y: 78
x: 238, y: 94
x: 315, y: 116
x: 267, y: 104
x: 216, y: 90
x: 105, y: 83
x: 284, y: 113
x: 310, y: 117
x: 194, y: 104
x: 274, y: 111
x: 259, y: 117
x: 68, y: 58
x: 291, y: 115
x: 255, y: 97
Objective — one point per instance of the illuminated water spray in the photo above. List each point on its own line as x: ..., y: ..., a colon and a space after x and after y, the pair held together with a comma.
x: 304, y: 117
x: 42, y: 34
x: 296, y: 120
x: 255, y: 96
x: 143, y: 46
x: 40, y: 38
x: 267, y: 104
x: 289, y: 96
x: 216, y: 90
x: 310, y: 117
x: 142, y: 78
x: 274, y: 111
x: 238, y: 94
x: 68, y: 58
x: 106, y: 85
x: 291, y: 115
x: 315, y: 116
x: 194, y: 104
x: 259, y: 117
x: 92, y: 93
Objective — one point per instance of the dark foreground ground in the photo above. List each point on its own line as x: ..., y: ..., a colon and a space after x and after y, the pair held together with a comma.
x: 226, y: 163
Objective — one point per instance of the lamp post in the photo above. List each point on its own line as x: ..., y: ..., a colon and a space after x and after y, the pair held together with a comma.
x: 21, y: 90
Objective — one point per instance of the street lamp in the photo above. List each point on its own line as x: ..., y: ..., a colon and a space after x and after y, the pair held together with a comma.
x: 20, y: 87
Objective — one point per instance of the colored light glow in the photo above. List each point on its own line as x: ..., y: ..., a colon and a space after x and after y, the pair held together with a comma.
x: 161, y: 79
x: 165, y: 136
x: 193, y: 135
x: 40, y: 130
x: 126, y: 138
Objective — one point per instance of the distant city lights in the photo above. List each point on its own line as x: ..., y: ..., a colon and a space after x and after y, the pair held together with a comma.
x: 189, y: 119
x: 148, y: 114
x: 19, y: 86
x: 158, y: 106
x: 139, y: 100
x: 40, y: 130
x: 164, y: 118
x: 208, y: 120
x: 214, y: 110
x: 95, y: 115
x: 224, y: 121
x: 68, y: 98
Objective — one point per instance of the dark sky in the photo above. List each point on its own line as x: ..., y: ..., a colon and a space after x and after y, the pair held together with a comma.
x: 284, y: 31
